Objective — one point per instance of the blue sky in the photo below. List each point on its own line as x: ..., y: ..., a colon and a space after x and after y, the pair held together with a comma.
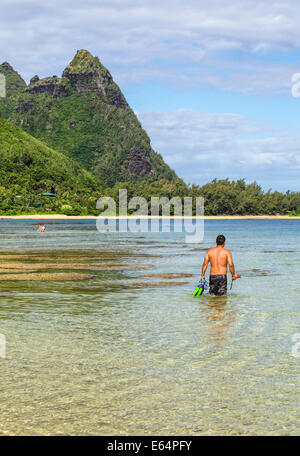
x: 210, y: 81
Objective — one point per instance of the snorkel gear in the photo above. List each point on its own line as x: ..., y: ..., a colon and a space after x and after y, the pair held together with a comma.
x: 200, y: 288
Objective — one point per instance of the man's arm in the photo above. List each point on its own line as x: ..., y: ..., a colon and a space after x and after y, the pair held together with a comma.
x: 231, y: 265
x: 204, y: 266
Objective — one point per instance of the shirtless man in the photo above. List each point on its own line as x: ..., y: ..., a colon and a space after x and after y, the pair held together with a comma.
x: 219, y: 258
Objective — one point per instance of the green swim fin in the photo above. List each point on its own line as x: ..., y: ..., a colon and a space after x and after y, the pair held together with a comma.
x: 196, y: 291
x: 199, y: 289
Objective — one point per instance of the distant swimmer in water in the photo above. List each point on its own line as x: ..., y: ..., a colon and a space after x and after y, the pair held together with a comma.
x: 219, y: 258
x: 42, y: 228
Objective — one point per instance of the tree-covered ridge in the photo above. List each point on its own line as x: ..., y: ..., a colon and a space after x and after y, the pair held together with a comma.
x: 14, y: 82
x: 84, y: 115
x: 29, y: 168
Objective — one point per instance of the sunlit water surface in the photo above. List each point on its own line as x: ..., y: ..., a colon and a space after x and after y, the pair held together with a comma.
x: 101, y: 357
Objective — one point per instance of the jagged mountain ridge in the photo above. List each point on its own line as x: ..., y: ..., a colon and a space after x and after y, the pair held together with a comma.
x: 14, y: 82
x: 84, y: 115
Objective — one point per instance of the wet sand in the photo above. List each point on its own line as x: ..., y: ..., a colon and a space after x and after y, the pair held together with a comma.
x: 92, y: 217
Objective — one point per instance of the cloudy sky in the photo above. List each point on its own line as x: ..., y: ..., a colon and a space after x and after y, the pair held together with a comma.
x: 210, y: 80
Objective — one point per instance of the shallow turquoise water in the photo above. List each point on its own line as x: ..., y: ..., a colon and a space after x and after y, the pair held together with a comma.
x: 101, y: 357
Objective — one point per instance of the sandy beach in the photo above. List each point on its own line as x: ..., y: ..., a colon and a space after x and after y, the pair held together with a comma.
x: 93, y: 217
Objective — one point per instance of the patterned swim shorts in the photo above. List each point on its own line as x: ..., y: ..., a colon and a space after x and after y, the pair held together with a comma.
x: 218, y: 285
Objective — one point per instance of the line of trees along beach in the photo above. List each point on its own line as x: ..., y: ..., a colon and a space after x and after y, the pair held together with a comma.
x: 221, y: 197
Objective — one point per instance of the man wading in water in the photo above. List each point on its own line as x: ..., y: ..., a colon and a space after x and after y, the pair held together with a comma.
x: 219, y: 258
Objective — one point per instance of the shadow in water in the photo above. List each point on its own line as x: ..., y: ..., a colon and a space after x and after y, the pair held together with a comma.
x: 220, y: 317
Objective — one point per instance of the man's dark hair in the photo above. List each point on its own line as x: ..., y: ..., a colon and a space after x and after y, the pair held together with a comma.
x: 220, y: 239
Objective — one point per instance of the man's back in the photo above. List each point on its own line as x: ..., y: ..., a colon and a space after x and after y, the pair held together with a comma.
x: 218, y: 258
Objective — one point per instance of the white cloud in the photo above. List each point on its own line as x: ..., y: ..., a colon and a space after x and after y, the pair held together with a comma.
x: 202, y: 146
x: 142, y: 40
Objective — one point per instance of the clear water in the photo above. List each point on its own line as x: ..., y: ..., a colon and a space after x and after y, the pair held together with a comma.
x: 101, y: 357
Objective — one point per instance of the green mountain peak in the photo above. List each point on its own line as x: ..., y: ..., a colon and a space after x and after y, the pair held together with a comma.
x: 82, y: 62
x: 6, y: 66
x: 14, y: 82
x: 86, y: 74
x: 85, y: 116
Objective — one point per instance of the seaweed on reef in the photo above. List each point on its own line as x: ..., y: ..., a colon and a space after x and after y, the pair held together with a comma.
x: 167, y: 275
x: 45, y: 277
x: 72, y: 266
x: 155, y: 284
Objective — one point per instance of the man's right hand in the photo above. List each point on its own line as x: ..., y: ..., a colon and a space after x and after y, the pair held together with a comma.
x: 233, y: 277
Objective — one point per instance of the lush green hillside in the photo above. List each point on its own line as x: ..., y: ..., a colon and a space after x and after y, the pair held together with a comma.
x: 84, y: 115
x: 29, y: 168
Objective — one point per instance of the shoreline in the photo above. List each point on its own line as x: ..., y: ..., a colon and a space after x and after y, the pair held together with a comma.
x: 94, y: 217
